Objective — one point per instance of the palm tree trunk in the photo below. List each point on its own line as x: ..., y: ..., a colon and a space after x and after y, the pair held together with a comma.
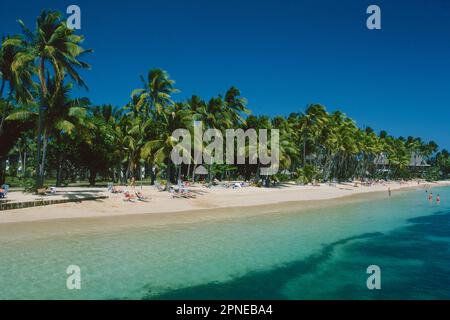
x: 3, y: 114
x: 123, y: 174
x: 44, y: 153
x: 41, y: 74
x: 188, y: 170
x: 152, y: 174
x: 2, y: 170
x: 2, y: 121
x: 127, y: 171
x: 168, y: 176
x: 92, y: 176
x: 24, y: 164
x: 327, y: 166
x: 10, y: 95
x: 21, y: 161
x: 258, y: 168
x: 59, y: 172
x: 210, y: 172
x: 193, y: 173
x: 304, y: 150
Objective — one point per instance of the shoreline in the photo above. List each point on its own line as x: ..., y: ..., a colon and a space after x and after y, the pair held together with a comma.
x: 209, y: 203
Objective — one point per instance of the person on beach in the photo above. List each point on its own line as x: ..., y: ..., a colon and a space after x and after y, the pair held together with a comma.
x: 132, y: 182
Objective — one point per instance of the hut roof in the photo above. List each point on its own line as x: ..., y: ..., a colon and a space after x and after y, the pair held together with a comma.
x: 417, y: 161
x: 381, y: 160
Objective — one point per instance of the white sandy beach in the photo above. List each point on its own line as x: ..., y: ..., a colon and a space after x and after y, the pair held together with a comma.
x: 161, y: 204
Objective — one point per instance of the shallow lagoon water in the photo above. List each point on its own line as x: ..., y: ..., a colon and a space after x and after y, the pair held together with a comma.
x: 321, y: 253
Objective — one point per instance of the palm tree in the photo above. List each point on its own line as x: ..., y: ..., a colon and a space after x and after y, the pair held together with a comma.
x: 155, y: 94
x: 171, y: 118
x: 310, y: 125
x: 17, y: 80
x: 288, y: 137
x: 257, y: 123
x: 65, y: 118
x: 64, y: 115
x: 148, y: 105
x: 17, y: 77
x: 370, y: 146
x: 219, y: 114
x: 52, y: 46
x: 235, y: 105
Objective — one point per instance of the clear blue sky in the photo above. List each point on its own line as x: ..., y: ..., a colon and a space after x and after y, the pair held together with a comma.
x: 281, y: 54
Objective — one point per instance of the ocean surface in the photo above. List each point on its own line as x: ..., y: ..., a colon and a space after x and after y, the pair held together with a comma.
x: 320, y: 253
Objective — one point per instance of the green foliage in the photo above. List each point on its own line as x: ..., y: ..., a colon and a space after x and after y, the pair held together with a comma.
x: 115, y: 143
x: 281, y: 177
x: 28, y: 185
x: 432, y: 174
x: 307, y: 174
x: 442, y: 161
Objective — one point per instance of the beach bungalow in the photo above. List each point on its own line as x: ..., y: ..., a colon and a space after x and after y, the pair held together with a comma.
x: 418, y: 160
x: 417, y: 163
x: 381, y: 162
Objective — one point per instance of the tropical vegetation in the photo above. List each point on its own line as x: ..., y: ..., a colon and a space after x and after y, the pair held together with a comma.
x: 46, y: 133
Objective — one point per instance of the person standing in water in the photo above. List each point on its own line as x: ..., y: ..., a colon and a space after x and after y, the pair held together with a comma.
x: 389, y: 192
x: 430, y: 196
x: 438, y: 199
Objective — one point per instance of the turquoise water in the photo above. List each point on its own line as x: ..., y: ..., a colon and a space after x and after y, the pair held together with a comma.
x: 321, y: 253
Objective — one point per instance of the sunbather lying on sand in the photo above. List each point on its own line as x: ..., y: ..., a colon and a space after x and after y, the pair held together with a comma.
x: 128, y: 196
x: 116, y: 190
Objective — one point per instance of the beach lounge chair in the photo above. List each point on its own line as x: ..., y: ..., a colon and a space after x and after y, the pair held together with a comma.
x: 140, y: 196
x: 175, y: 193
